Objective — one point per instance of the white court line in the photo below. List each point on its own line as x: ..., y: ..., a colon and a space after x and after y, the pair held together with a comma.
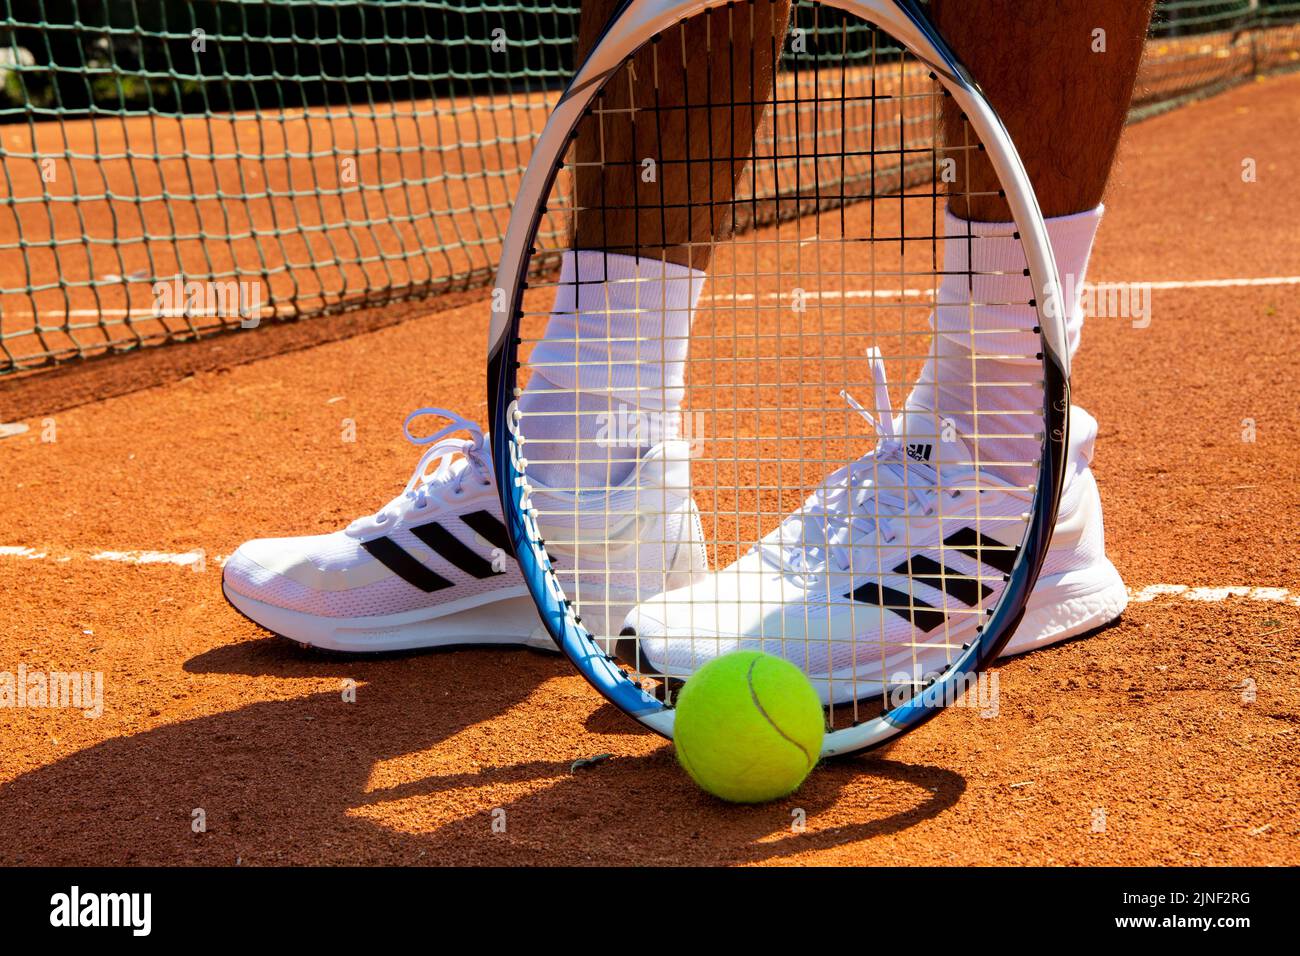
x: 192, y: 559
x: 1215, y: 283
x: 1142, y: 595
x: 929, y: 292
x: 183, y: 559
x: 1213, y: 595
x: 745, y: 297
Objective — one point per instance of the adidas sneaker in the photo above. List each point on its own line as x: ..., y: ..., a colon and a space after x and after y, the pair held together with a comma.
x: 432, y: 568
x: 862, y: 603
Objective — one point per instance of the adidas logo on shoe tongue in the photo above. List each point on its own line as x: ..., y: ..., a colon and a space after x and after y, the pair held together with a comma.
x: 919, y: 451
x: 929, y: 439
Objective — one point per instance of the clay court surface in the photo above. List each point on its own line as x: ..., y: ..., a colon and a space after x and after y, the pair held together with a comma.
x: 1172, y: 737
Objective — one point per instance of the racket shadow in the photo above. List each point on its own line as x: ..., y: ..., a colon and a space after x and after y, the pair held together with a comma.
x: 294, y: 781
x: 642, y: 801
x: 644, y: 811
x: 646, y: 802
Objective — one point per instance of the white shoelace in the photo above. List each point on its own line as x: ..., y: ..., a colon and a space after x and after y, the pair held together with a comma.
x: 877, y: 490
x: 457, y: 459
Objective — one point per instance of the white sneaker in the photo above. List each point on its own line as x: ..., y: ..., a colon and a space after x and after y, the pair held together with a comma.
x: 432, y: 567
x: 1078, y: 589
x: 633, y: 532
x: 861, y: 604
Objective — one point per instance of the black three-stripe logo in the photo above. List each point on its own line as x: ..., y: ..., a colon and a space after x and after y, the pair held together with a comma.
x: 489, y: 527
x: 983, y: 548
x: 402, y: 563
x: 918, y: 567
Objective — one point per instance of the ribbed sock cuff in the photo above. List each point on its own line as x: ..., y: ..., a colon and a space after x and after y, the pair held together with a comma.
x: 620, y: 326
x: 984, y: 297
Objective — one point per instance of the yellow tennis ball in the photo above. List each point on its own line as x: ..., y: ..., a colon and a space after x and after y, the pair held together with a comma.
x: 749, y: 727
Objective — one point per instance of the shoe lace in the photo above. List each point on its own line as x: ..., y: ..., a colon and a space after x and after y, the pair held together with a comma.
x: 877, y: 490
x: 457, y: 459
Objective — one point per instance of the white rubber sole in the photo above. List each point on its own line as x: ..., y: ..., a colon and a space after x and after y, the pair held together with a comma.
x: 1066, y: 605
x: 1062, y: 606
x: 507, y: 618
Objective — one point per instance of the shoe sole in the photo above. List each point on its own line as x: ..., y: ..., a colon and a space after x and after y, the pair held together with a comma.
x: 1068, y: 605
x: 505, y: 620
x: 1062, y: 606
x: 493, y: 620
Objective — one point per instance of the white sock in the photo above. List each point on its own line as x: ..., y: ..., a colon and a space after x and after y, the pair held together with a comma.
x: 997, y: 344
x: 608, y: 377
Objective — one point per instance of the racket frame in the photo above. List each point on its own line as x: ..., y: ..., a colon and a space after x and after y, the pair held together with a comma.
x: 628, y: 30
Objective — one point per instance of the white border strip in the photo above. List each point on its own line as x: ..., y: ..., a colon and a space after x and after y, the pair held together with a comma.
x: 1213, y: 595
x: 196, y: 560
x: 928, y: 293
x: 744, y: 297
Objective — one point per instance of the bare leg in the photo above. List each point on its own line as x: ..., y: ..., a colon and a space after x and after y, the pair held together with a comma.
x: 718, y: 65
x: 1064, y: 99
x: 1063, y: 104
x: 655, y: 172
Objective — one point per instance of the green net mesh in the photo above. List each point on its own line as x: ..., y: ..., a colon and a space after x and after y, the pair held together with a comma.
x: 173, y: 168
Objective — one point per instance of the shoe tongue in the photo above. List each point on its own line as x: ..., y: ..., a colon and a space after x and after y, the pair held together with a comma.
x: 931, y: 440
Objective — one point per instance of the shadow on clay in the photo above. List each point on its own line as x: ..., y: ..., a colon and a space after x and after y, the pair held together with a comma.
x: 289, y: 781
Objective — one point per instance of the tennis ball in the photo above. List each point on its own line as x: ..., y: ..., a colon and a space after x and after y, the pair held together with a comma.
x: 749, y: 727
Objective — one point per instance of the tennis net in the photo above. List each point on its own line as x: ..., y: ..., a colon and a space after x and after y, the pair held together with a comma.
x: 172, y: 169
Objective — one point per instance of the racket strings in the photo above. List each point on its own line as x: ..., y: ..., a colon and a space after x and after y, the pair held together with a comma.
x: 831, y: 244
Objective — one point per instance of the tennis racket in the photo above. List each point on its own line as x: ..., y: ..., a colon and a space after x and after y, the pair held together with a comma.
x: 769, y: 492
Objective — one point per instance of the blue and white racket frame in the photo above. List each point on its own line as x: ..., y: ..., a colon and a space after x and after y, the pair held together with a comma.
x: 631, y: 27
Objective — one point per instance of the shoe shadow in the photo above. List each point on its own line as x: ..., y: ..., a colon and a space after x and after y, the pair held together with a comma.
x: 277, y: 657
x: 300, y: 781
